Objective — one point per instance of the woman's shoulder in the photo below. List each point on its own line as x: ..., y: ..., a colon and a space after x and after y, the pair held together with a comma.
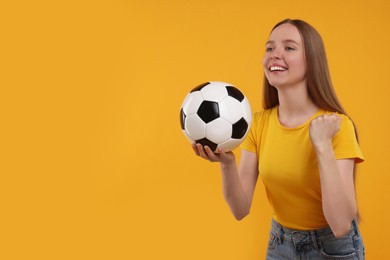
x: 259, y: 118
x: 263, y: 113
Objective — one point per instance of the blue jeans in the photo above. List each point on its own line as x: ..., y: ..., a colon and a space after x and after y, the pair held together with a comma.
x: 285, y: 243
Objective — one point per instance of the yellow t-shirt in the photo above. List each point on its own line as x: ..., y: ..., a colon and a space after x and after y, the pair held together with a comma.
x: 288, y: 166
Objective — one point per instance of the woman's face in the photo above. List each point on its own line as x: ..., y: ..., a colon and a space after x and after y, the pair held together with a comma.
x: 284, y: 61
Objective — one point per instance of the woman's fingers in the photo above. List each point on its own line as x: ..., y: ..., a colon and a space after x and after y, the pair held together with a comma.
x: 211, y: 155
x: 205, y: 152
x: 195, y: 148
x: 201, y: 151
x: 323, y: 128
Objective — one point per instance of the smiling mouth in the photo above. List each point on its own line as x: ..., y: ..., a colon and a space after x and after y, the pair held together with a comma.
x: 277, y: 68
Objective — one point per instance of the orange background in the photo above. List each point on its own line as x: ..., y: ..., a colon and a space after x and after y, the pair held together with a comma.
x: 93, y: 162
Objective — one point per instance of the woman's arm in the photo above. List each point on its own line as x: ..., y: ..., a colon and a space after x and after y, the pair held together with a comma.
x: 337, y: 186
x: 238, y: 185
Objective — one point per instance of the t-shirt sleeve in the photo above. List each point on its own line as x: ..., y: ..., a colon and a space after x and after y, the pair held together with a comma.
x: 251, y: 141
x: 345, y: 143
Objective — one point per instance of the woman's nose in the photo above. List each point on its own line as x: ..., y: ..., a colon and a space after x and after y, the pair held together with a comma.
x: 276, y: 54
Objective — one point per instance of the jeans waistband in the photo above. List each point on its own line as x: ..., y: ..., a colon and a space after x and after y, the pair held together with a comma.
x: 294, y: 235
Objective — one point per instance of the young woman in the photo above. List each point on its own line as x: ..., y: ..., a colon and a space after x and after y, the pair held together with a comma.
x: 304, y: 148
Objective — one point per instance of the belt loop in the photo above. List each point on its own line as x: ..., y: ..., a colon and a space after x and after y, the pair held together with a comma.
x: 355, y: 227
x: 314, y: 239
x: 280, y: 233
x: 282, y: 238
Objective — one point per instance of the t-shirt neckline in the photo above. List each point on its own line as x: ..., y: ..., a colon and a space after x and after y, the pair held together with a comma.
x: 275, y: 115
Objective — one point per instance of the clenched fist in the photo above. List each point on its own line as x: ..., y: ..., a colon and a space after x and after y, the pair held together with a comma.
x: 323, y: 128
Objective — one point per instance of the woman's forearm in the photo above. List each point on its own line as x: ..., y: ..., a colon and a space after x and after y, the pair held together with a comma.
x: 338, y: 202
x: 238, y: 185
x: 233, y: 191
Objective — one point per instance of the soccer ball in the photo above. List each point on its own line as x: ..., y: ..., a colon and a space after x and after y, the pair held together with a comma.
x: 216, y: 114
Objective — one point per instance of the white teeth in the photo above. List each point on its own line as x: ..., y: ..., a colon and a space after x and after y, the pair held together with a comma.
x: 273, y: 68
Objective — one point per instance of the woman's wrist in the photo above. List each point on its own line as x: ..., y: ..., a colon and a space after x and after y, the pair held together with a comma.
x: 323, y: 147
x: 228, y: 165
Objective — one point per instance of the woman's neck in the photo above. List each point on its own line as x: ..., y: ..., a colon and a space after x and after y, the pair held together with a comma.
x: 295, y: 107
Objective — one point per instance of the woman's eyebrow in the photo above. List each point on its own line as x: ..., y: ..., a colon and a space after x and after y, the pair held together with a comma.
x: 284, y: 41
x: 291, y: 41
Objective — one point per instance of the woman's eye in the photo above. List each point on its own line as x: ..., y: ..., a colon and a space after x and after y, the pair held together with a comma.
x: 268, y: 49
x: 289, y: 49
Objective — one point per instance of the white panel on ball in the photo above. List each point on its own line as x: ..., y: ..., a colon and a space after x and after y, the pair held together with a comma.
x: 218, y: 130
x: 230, y: 109
x: 192, y: 102
x: 247, y: 111
x: 188, y: 137
x: 230, y: 145
x: 195, y: 127
x: 215, y: 91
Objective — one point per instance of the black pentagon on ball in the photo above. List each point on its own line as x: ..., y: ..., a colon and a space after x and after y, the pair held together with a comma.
x: 199, y: 87
x: 182, y: 118
x: 239, y: 129
x: 205, y: 141
x: 235, y: 93
x: 208, y: 111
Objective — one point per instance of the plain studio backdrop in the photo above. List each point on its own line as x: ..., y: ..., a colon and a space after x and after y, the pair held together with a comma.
x: 93, y: 163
